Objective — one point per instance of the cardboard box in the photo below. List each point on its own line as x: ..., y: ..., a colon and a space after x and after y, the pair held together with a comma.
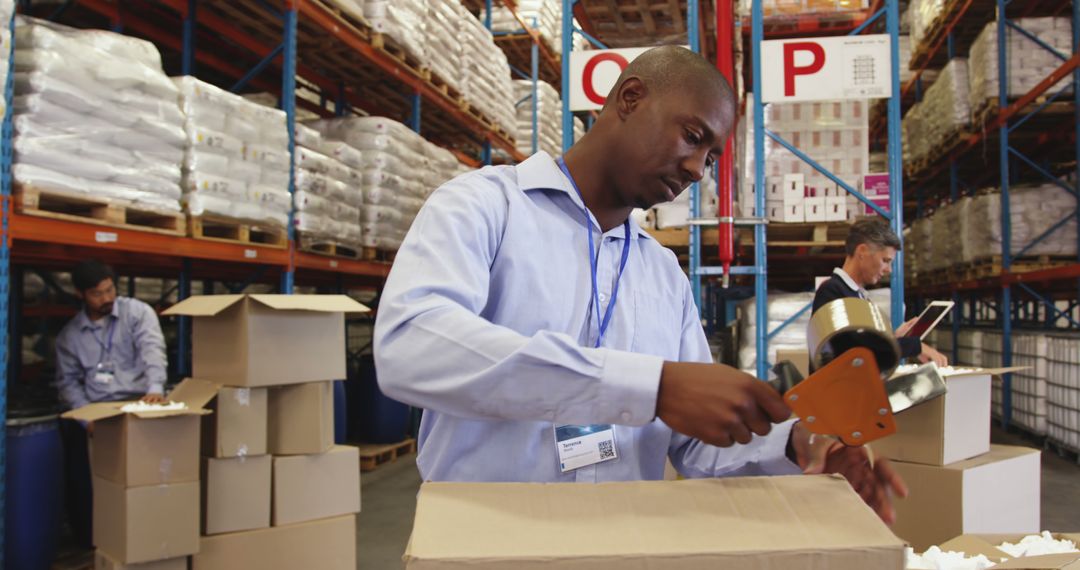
x: 986, y: 544
x: 266, y: 340
x: 147, y: 448
x: 876, y: 184
x: 237, y: 427
x: 309, y: 487
x: 997, y: 492
x: 945, y: 430
x: 835, y: 208
x: 103, y: 562
x: 798, y: 522
x: 143, y: 524
x: 815, y: 209
x: 794, y: 187
x: 783, y: 212
x: 301, y: 419
x: 800, y: 358
x: 236, y: 494
x: 328, y: 544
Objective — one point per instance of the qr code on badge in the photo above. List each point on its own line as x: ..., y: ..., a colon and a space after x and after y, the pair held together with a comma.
x: 607, y: 450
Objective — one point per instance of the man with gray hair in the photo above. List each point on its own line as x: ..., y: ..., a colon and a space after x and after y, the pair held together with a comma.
x: 870, y: 248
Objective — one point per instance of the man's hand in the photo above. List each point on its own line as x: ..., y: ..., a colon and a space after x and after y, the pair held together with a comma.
x: 717, y: 404
x: 153, y: 398
x: 904, y: 328
x: 929, y: 354
x: 874, y: 481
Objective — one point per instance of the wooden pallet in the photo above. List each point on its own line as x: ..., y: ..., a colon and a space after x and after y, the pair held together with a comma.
x: 375, y: 254
x: 952, y: 140
x: 327, y: 247
x: 372, y: 456
x: 390, y: 47
x: 993, y: 266
x: 214, y: 228
x: 440, y: 85
x: 988, y: 109
x: 88, y: 209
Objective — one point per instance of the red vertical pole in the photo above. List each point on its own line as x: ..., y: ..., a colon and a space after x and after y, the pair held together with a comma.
x: 725, y: 62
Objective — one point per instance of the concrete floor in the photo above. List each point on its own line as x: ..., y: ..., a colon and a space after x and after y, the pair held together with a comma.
x: 389, y: 503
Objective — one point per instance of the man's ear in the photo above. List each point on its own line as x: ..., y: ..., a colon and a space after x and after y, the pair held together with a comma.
x: 628, y: 96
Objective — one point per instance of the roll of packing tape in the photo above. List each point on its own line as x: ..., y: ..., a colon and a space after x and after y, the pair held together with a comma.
x: 848, y: 323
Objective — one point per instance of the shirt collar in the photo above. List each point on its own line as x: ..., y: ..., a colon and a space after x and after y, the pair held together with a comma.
x: 84, y: 320
x: 541, y: 172
x: 848, y: 280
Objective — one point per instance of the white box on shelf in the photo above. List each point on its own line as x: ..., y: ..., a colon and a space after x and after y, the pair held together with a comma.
x: 835, y: 209
x: 815, y: 209
x: 784, y: 212
x: 794, y: 187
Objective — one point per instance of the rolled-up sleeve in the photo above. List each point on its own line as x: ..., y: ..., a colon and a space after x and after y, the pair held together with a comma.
x: 150, y: 347
x: 692, y: 458
x: 434, y: 350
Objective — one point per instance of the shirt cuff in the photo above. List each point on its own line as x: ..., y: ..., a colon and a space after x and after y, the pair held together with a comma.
x: 632, y: 381
x: 773, y: 453
x: 156, y: 388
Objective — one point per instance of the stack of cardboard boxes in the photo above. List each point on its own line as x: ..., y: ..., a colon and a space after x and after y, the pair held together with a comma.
x: 276, y: 493
x: 959, y: 483
x: 790, y: 199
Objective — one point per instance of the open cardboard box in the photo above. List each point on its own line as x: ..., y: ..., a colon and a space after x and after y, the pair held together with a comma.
x: 149, y: 447
x: 267, y: 340
x: 985, y: 544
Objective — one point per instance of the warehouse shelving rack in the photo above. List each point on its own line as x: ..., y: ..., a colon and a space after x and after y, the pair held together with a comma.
x: 1011, y: 299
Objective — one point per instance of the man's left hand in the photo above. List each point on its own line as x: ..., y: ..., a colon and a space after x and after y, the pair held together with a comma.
x: 154, y: 398
x: 874, y: 481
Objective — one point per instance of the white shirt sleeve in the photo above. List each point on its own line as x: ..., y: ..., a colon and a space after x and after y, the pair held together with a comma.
x: 433, y: 350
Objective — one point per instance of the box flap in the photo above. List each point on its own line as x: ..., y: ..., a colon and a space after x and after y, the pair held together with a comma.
x: 194, y: 392
x: 95, y: 411
x: 653, y: 521
x: 203, y: 305
x: 973, y: 546
x: 985, y: 371
x: 321, y: 303
x: 997, y: 453
x: 1070, y: 561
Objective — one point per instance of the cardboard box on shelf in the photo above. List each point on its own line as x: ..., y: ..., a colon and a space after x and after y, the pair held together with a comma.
x: 986, y: 545
x: 800, y: 358
x: 945, y: 430
x: 144, y: 524
x: 236, y: 493
x: 798, y: 522
x: 237, y: 427
x: 815, y: 210
x: 783, y: 212
x: 835, y: 208
x: 301, y: 418
x: 327, y: 544
x: 309, y: 487
x: 794, y: 187
x: 151, y: 447
x: 997, y: 492
x: 267, y: 340
x: 103, y: 562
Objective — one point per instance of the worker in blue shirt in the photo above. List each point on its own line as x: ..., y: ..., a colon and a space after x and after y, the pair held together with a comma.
x: 111, y: 350
x: 550, y: 339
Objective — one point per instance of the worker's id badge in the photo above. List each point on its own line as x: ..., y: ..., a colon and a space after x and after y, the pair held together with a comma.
x: 104, y: 373
x: 580, y: 446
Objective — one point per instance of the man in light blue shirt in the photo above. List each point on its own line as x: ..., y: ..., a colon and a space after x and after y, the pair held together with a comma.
x: 112, y: 350
x: 526, y: 303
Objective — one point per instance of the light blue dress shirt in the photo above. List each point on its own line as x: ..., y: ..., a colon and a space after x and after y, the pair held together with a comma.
x: 485, y: 320
x: 138, y: 353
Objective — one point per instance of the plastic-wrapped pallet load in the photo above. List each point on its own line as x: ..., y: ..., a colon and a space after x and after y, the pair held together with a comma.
x: 1063, y: 390
x: 403, y: 21
x: 782, y: 307
x: 486, y: 81
x: 352, y: 8
x: 943, y: 112
x: 328, y: 197
x: 545, y: 16
x: 1033, y: 210
x: 1028, y: 62
x: 443, y: 48
x: 1029, y: 386
x: 548, y: 117
x: 780, y: 8
x: 95, y: 116
x: 921, y: 15
x: 236, y: 163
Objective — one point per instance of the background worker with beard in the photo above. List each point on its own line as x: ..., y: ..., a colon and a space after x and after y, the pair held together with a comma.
x: 870, y: 248
x: 550, y: 339
x: 112, y: 350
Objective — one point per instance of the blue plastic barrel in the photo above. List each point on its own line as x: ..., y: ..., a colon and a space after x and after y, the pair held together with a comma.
x: 34, y: 489
x: 374, y: 418
x: 340, y: 412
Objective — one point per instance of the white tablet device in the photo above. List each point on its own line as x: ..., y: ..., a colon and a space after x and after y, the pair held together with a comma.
x: 930, y: 317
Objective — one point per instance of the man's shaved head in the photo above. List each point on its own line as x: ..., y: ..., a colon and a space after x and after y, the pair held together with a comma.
x: 664, y: 68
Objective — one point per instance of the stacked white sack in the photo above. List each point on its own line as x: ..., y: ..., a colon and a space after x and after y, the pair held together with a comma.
x: 443, y: 48
x: 921, y: 15
x: 7, y: 11
x: 403, y: 21
x: 486, y: 81
x: 236, y: 163
x: 1028, y: 62
x: 328, y: 196
x: 943, y: 111
x: 1033, y: 210
x: 781, y: 307
x: 352, y: 8
x: 95, y: 115
x: 545, y: 16
x: 548, y: 117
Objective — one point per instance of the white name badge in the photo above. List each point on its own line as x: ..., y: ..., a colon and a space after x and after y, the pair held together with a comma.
x: 580, y: 446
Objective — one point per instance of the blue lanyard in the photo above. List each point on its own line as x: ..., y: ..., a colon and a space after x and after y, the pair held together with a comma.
x: 593, y: 261
x: 106, y: 348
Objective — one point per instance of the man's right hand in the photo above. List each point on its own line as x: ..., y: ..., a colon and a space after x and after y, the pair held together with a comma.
x: 716, y: 403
